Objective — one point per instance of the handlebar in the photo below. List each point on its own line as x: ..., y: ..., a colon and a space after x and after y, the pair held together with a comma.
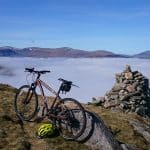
x: 31, y: 70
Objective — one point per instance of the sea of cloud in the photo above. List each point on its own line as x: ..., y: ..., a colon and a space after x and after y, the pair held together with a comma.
x: 94, y: 76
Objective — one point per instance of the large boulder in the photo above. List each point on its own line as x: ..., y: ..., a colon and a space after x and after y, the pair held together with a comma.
x: 97, y: 135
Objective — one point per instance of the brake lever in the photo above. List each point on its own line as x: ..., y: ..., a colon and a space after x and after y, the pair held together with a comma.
x: 29, y: 69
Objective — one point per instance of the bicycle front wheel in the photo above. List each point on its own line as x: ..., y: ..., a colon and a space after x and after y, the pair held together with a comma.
x: 26, y: 103
x: 74, y: 122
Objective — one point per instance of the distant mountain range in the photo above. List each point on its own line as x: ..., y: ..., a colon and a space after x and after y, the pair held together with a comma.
x: 8, y: 51
x: 145, y: 54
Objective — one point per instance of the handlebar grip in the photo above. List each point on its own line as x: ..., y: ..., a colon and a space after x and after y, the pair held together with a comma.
x: 44, y: 71
x: 29, y: 69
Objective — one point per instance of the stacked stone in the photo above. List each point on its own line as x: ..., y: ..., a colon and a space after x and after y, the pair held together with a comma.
x: 130, y: 93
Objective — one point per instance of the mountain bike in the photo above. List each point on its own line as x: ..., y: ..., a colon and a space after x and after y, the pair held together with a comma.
x: 67, y: 114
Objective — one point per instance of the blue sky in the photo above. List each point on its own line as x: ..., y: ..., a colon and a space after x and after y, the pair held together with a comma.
x: 120, y: 26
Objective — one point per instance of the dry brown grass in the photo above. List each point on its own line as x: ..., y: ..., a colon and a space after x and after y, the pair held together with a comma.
x: 14, y: 135
x: 118, y: 123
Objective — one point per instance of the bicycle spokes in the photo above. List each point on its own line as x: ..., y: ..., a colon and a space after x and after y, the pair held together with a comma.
x: 26, y: 103
x: 74, y: 123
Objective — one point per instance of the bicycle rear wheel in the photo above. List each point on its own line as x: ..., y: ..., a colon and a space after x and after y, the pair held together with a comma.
x: 74, y: 122
x: 26, y: 103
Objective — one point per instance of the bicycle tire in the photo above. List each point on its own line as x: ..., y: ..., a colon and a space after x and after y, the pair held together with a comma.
x: 26, y: 103
x: 71, y: 128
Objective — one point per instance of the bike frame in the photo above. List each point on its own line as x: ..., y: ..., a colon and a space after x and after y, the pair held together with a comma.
x: 42, y: 84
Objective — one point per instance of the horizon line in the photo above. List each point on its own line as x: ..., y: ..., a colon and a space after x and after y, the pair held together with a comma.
x: 91, y: 50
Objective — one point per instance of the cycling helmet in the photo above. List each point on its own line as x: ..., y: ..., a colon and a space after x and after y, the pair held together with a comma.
x: 45, y: 130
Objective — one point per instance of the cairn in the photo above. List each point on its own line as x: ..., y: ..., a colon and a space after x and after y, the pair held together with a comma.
x: 131, y: 93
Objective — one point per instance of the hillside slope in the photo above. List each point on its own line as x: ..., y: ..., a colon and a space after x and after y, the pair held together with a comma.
x: 23, y: 136
x: 18, y: 136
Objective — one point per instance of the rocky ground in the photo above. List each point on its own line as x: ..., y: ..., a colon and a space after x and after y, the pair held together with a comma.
x: 127, y: 128
x: 130, y: 93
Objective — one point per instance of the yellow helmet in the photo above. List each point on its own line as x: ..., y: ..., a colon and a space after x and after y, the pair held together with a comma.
x: 46, y: 129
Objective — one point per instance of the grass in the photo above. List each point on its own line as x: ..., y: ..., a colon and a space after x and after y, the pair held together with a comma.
x: 14, y: 135
x: 118, y: 123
